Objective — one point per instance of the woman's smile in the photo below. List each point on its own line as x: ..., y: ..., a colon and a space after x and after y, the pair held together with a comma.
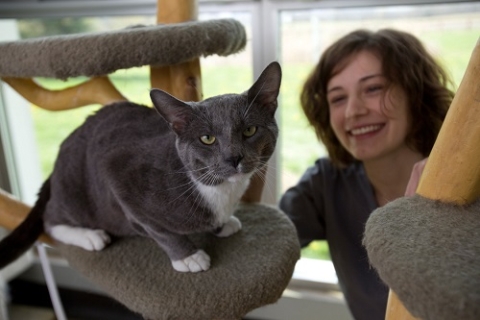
x: 365, y: 131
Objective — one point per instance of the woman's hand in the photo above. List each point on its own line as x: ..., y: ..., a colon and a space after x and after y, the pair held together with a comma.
x: 415, y: 177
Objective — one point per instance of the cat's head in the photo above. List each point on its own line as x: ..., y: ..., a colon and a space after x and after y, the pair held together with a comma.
x: 225, y: 137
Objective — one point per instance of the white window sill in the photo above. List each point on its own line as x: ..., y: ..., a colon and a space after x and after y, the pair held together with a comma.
x: 315, y: 274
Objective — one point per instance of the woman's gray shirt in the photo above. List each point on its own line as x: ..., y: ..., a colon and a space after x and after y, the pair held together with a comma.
x: 334, y: 204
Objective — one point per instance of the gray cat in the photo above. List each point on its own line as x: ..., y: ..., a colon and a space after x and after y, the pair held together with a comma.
x: 128, y: 171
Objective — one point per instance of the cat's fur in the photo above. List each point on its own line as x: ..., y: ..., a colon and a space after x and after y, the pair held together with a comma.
x: 126, y: 171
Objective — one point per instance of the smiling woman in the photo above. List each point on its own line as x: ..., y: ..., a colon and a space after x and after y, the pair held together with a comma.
x: 364, y: 114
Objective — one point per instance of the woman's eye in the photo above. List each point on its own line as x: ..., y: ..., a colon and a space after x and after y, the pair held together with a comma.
x: 250, y: 131
x: 374, y: 89
x: 207, y: 139
x: 336, y: 100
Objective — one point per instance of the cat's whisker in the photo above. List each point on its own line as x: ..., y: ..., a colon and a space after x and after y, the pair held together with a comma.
x: 193, y: 209
x: 200, y: 179
x: 191, y: 188
x: 196, y: 202
x: 269, y: 190
x: 187, y: 170
x: 263, y: 175
x: 208, y: 177
x: 179, y: 186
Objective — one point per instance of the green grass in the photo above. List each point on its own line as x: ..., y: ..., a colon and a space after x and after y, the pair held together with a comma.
x: 317, y: 250
x: 453, y: 48
x: 299, y: 145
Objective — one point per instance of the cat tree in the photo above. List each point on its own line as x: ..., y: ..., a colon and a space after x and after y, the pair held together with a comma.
x: 249, y: 269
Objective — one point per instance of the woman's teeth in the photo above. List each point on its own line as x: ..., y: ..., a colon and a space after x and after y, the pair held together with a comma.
x: 363, y: 130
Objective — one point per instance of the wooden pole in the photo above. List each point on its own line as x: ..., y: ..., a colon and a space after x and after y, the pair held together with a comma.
x: 182, y: 80
x: 452, y: 172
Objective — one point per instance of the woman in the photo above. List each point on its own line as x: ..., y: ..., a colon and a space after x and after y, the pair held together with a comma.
x: 376, y: 101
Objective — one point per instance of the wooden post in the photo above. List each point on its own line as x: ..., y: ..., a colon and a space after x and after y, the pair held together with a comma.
x: 452, y: 172
x: 182, y: 80
x: 396, y: 310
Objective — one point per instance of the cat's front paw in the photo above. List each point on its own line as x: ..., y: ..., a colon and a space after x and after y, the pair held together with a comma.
x: 232, y: 226
x: 88, y: 239
x: 199, y: 261
x: 96, y: 240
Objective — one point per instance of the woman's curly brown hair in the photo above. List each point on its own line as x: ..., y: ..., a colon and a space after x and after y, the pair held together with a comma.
x: 406, y: 63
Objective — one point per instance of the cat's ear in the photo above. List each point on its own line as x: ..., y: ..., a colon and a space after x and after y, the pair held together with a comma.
x: 267, y: 87
x: 176, y: 112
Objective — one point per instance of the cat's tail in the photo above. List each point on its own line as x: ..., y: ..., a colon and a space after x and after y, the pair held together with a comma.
x: 25, y: 235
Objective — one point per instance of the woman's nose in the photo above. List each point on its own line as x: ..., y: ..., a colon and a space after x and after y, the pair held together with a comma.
x: 355, y: 107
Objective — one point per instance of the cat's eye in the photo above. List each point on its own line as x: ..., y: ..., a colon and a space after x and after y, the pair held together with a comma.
x: 250, y: 131
x: 207, y: 139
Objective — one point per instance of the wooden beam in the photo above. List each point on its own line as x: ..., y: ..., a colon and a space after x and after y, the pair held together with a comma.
x: 98, y: 90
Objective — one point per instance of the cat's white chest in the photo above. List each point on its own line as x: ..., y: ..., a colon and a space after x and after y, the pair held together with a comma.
x: 224, y: 197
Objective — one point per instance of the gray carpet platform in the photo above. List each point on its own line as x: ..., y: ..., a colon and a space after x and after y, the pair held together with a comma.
x: 249, y: 269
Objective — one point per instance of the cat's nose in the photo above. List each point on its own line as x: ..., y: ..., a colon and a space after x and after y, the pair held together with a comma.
x: 234, y: 160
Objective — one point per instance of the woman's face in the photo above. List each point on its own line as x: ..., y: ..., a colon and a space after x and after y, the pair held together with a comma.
x: 370, y: 120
